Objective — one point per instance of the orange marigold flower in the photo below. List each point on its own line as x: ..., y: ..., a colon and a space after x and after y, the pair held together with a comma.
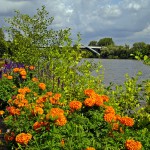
x: 105, y: 98
x: 53, y: 100
x: 61, y: 121
x: 16, y: 102
x: 37, y: 110
x: 23, y: 103
x: 31, y: 67
x: 42, y: 86
x: 109, y: 117
x: 21, y: 69
x: 109, y: 109
x: 118, y: 117
x: 10, y: 101
x: 56, y: 112
x: 115, y: 126
x: 23, y: 77
x: 133, y: 145
x: 23, y: 73
x: 127, y: 121
x: 48, y: 116
x: 35, y: 79
x: 90, y: 148
x: 37, y: 125
x: 49, y: 93
x: 16, y: 70
x: 41, y: 100
x: 9, y: 77
x: 89, y: 102
x: 21, y: 91
x: 75, y: 105
x: 1, y: 112
x: 89, y: 92
x: 27, y: 89
x: 4, y: 75
x: 9, y: 136
x: 40, y: 105
x: 20, y: 96
x: 57, y: 96
x: 23, y: 138
x: 13, y: 111
x: 98, y: 100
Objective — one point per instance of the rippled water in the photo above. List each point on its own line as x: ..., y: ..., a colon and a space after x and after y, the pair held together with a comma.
x: 115, y: 69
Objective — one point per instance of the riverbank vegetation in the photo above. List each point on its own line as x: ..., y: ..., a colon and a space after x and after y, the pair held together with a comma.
x: 109, y: 50
x: 49, y: 101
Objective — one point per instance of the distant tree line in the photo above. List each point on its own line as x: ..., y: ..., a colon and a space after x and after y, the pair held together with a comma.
x: 110, y: 50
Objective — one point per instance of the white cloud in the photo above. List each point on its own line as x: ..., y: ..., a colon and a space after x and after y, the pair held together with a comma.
x: 111, y: 11
x: 125, y: 21
x: 134, y: 6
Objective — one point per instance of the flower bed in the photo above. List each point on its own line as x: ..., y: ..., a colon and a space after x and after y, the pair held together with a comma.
x: 38, y: 118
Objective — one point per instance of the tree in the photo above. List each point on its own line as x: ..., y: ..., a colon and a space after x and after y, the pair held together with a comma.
x: 33, y: 42
x: 139, y: 46
x: 31, y: 35
x: 105, y: 42
x: 3, y: 47
x: 93, y: 43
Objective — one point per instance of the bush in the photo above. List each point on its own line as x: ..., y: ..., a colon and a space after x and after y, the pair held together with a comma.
x: 38, y: 118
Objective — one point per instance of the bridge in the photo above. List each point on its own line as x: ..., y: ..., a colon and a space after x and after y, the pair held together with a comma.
x: 93, y: 49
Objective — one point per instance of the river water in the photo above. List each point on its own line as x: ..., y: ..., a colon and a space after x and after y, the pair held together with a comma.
x: 115, y: 69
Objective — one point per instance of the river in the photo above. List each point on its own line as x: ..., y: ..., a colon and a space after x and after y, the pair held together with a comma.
x: 115, y: 69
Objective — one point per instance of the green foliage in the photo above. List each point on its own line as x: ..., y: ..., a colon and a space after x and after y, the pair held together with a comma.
x: 7, y: 89
x: 126, y: 98
x: 105, y: 42
x: 139, y: 56
x: 139, y: 46
x: 115, y: 52
x: 31, y: 35
x: 85, y: 127
x: 2, y: 36
x: 140, y: 50
x: 93, y: 43
x: 3, y: 47
x: 53, y: 55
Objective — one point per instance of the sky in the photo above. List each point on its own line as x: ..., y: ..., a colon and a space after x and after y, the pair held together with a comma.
x: 125, y: 21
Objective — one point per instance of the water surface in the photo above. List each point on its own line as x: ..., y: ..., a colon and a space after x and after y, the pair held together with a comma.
x: 115, y: 69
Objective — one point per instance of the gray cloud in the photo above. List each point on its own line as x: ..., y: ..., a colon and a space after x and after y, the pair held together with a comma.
x: 125, y: 21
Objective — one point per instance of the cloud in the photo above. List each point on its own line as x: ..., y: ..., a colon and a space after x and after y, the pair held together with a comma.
x: 125, y: 21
